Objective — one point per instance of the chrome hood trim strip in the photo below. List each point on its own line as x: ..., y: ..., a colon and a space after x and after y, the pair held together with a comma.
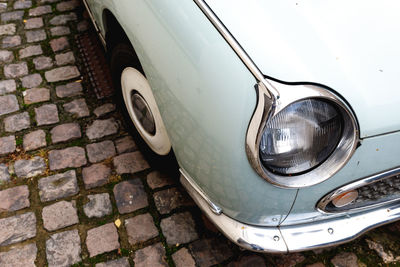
x: 296, y: 237
x: 236, y: 47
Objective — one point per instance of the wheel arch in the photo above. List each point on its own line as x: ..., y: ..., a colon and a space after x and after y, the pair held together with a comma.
x: 115, y: 33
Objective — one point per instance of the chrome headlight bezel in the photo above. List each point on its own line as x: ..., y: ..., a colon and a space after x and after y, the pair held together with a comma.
x: 273, y: 97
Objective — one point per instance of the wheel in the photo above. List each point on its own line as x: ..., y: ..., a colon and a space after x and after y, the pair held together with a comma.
x: 139, y: 108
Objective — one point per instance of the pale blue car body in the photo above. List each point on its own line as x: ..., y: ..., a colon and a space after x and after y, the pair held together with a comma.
x: 206, y: 97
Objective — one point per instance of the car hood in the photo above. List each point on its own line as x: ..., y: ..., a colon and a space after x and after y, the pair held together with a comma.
x: 349, y: 46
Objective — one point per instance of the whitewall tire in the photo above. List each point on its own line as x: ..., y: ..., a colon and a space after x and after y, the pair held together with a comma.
x: 143, y: 110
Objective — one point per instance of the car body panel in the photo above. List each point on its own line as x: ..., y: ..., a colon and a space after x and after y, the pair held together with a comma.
x: 326, y: 43
x: 198, y: 72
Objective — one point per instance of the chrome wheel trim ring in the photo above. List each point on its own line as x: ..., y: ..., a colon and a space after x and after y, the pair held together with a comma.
x: 134, y: 84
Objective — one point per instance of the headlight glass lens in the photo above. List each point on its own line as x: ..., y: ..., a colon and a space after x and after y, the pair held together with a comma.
x: 301, y: 136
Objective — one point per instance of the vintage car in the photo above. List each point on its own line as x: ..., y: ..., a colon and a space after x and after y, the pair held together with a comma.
x: 282, y: 115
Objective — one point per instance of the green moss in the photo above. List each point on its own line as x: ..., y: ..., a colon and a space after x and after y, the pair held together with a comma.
x: 18, y: 141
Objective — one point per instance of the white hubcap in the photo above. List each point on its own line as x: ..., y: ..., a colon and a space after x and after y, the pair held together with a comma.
x: 143, y: 110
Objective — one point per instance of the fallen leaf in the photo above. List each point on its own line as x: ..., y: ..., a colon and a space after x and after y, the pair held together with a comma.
x: 117, y: 223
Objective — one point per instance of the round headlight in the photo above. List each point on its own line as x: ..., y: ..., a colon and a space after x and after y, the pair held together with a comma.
x: 301, y: 136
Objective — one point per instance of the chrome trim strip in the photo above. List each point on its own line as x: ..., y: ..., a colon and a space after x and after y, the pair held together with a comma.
x: 299, y: 237
x: 236, y: 47
x: 103, y: 40
x: 255, y: 238
x: 357, y: 184
x: 213, y: 207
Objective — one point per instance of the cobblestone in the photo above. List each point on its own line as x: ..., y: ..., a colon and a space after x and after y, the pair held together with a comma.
x: 31, y: 81
x: 125, y: 144
x: 34, y: 140
x: 83, y: 26
x: 63, y: 249
x: 65, y: 58
x: 43, y: 63
x: 12, y: 16
x: 251, y: 260
x: 179, y: 228
x: 69, y: 90
x: 17, y: 228
x: 8, y: 29
x: 130, y: 196
x: 29, y: 51
x: 34, y: 23
x: 36, y: 95
x: 16, y: 70
x: 46, y: 114
x: 289, y: 260
x: 130, y: 163
x: 77, y: 108
x: 208, y: 252
x: 95, y: 175
x: 67, y: 6
x: 35, y: 36
x: 58, y: 186
x: 99, y: 205
x: 22, y: 4
x: 62, y: 74
x: 7, y: 144
x: 102, y: 239
x: 151, y: 256
x: 60, y: 30
x: 71, y: 157
x: 8, y: 104
x: 345, y: 259
x: 15, y: 198
x: 140, y: 228
x: 65, y: 132
x: 17, y: 122
x: 104, y: 109
x: 7, y: 86
x: 122, y: 262
x: 6, y: 56
x: 318, y: 264
x: 19, y: 257
x: 40, y: 10
x: 60, y: 215
x: 182, y: 258
x: 11, y: 41
x: 170, y: 199
x: 101, y: 128
x: 100, y: 151
x: 27, y: 168
x: 4, y: 173
x: 63, y: 19
x: 59, y: 44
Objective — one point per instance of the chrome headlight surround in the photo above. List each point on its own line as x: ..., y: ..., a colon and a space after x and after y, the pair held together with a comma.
x: 273, y: 97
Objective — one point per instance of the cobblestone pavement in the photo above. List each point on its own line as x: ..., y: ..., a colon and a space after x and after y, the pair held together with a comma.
x: 69, y: 194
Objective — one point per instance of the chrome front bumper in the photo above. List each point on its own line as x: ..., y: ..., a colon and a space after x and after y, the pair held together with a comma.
x: 293, y: 238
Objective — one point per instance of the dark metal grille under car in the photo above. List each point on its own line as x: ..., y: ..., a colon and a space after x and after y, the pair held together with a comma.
x: 376, y: 193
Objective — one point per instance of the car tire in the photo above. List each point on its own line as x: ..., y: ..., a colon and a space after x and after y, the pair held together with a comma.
x: 136, y: 102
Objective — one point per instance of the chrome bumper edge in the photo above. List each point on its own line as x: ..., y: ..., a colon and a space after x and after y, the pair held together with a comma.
x: 298, y: 237
x: 261, y: 239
